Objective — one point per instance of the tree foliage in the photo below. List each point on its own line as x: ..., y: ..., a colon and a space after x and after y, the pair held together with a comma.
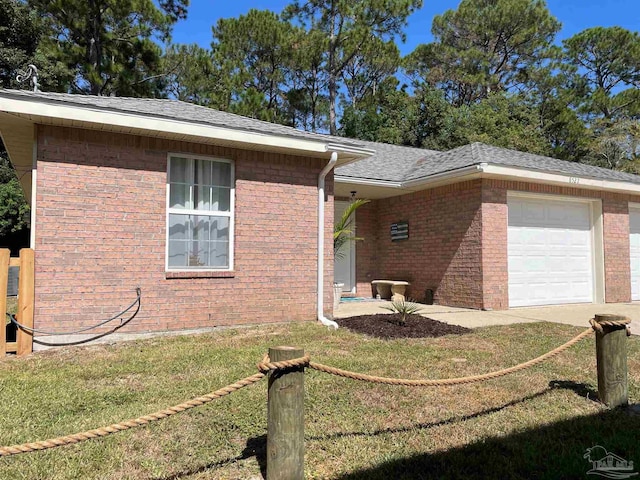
x: 14, y: 210
x: 347, y: 27
x: 109, y: 45
x: 485, y: 46
x: 494, y: 72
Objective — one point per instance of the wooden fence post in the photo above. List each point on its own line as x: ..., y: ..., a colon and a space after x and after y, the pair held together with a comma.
x: 25, y: 301
x: 4, y: 280
x: 611, y: 354
x: 285, y: 418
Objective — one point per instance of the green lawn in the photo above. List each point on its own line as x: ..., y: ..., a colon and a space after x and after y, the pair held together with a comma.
x: 535, y: 424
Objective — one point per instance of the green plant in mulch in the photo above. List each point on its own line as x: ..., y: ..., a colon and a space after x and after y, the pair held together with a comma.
x: 404, y: 308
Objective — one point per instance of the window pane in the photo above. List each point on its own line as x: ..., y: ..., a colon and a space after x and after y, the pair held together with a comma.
x: 202, y: 197
x: 178, y: 227
x: 221, y: 199
x: 200, y: 226
x: 179, y: 172
x: 199, y: 256
x: 178, y: 196
x: 202, y: 172
x: 178, y: 250
x: 222, y: 174
x: 219, y: 229
x: 218, y: 254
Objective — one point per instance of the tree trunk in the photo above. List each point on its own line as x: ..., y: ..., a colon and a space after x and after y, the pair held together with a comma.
x: 333, y: 87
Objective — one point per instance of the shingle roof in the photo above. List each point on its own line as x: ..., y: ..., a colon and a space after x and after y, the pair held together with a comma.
x: 476, y: 153
x: 178, y: 110
x: 390, y: 163
x: 402, y: 164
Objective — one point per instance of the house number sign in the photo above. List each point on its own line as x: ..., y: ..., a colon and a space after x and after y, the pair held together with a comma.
x: 399, y: 231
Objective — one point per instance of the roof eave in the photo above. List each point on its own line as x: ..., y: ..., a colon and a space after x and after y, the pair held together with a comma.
x: 41, y: 111
x: 558, y: 178
x: 502, y: 172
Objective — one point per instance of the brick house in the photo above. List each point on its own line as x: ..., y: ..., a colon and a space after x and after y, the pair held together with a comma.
x: 225, y: 220
x: 492, y: 228
x: 213, y: 215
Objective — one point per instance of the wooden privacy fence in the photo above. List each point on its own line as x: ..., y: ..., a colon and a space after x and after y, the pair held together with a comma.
x: 23, y: 344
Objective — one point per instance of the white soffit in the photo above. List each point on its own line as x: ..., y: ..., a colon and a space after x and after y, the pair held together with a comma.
x: 18, y: 137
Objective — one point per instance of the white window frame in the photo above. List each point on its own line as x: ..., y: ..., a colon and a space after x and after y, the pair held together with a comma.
x: 182, y: 211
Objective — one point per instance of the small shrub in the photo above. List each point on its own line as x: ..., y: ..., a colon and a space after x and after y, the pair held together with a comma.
x: 403, y: 308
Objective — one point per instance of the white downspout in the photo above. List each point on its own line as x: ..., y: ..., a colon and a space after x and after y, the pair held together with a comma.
x: 324, y: 320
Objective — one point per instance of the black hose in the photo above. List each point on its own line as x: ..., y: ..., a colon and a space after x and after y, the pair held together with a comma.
x: 73, y: 332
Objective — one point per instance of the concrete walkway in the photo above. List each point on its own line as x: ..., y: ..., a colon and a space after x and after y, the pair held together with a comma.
x: 578, y: 314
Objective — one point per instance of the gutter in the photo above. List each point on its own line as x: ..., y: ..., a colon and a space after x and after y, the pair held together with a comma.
x: 470, y: 170
x: 320, y: 274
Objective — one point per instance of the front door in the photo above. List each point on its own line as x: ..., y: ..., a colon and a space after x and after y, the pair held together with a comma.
x: 344, y: 266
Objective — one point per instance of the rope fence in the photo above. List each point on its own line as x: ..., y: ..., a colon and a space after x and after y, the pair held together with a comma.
x: 266, y: 366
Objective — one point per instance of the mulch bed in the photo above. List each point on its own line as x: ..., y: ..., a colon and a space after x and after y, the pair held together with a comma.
x: 386, y: 326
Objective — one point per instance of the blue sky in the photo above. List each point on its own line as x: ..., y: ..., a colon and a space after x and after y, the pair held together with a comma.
x: 575, y: 15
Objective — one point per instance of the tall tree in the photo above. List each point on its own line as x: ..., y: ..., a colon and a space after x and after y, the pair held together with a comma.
x: 606, y: 64
x: 483, y: 47
x: 194, y: 76
x: 347, y: 26
x: 307, y: 101
x: 368, y: 69
x: 21, y: 34
x: 255, y: 52
x: 110, y: 44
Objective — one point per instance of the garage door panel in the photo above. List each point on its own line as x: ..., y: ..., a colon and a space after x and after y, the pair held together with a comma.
x: 549, y: 252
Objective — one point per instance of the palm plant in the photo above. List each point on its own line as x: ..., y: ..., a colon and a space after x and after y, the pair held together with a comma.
x: 404, y: 308
x: 342, y: 231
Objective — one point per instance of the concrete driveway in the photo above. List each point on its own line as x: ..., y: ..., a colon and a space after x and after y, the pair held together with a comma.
x: 577, y: 314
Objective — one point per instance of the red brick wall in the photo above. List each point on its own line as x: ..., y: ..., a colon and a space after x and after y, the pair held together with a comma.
x: 101, y: 226
x: 617, y: 270
x: 495, y: 281
x: 458, y: 241
x: 443, y: 251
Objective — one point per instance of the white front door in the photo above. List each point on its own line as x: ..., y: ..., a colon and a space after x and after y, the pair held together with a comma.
x: 344, y: 266
x: 634, y: 254
x: 549, y: 252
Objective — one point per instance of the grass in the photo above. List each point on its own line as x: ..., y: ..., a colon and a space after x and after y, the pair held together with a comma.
x: 12, y: 306
x: 535, y: 424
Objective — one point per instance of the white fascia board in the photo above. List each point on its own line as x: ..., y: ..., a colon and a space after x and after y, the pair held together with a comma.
x: 485, y: 170
x: 412, y: 185
x: 143, y: 123
x: 566, y: 180
x: 366, y: 181
x: 471, y: 171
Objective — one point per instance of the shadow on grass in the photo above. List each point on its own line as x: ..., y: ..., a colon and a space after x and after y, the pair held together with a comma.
x: 255, y: 447
x: 508, y: 457
x: 555, y: 451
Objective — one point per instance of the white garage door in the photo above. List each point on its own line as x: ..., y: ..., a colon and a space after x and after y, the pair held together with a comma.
x: 549, y: 252
x: 634, y: 241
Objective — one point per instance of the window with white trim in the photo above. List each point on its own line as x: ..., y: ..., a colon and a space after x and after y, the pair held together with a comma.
x: 199, y: 213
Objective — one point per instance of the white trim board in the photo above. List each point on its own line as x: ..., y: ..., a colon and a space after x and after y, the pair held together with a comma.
x: 47, y: 112
x: 500, y: 172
